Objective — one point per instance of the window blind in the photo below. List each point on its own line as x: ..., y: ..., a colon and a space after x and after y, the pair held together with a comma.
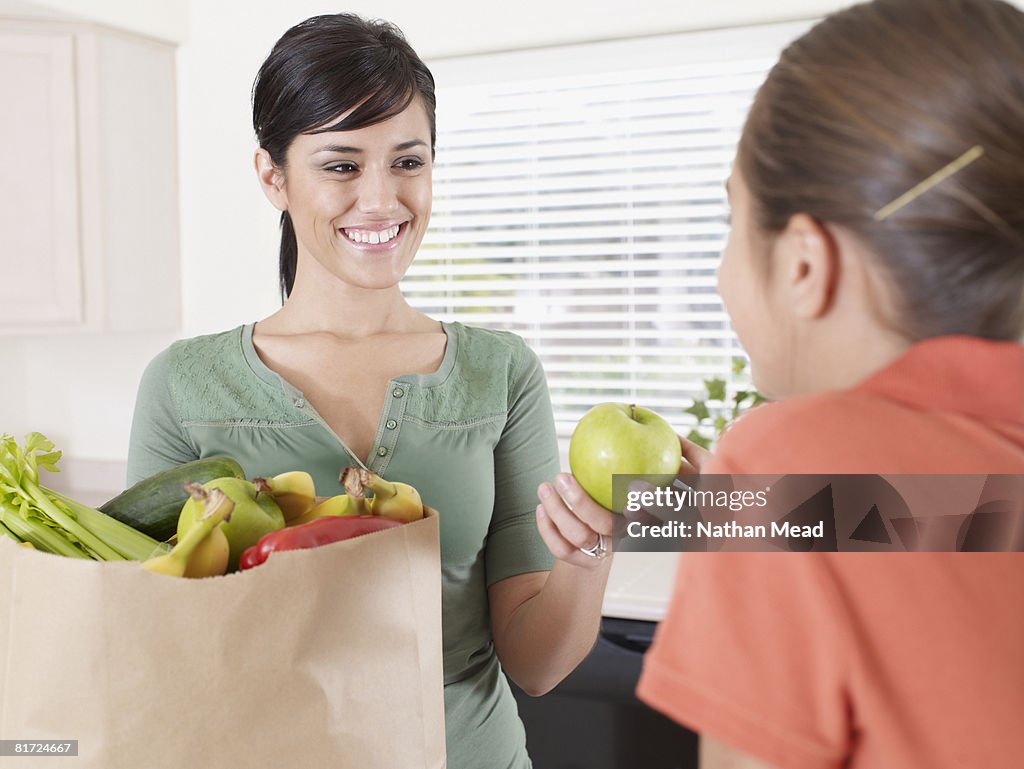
x: 579, y: 202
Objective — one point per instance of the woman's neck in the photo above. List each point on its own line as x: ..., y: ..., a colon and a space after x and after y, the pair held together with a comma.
x: 335, y: 307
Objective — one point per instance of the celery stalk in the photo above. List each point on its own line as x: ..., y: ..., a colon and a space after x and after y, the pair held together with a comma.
x: 130, y: 543
x: 66, y: 521
x: 41, y: 536
x: 33, y: 515
x: 5, y: 532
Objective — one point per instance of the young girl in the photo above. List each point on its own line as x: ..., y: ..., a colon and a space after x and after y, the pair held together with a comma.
x: 347, y: 373
x: 875, y: 276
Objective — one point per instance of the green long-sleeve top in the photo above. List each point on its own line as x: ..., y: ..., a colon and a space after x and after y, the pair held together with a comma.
x: 476, y: 437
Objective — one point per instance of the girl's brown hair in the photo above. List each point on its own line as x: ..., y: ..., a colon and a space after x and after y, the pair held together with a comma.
x: 871, y: 102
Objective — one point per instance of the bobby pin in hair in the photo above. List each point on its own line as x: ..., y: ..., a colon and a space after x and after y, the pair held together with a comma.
x: 945, y: 172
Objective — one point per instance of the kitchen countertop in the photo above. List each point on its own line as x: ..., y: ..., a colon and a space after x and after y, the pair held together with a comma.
x: 640, y: 585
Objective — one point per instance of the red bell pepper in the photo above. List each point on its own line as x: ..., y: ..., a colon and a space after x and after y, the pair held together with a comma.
x: 321, y: 531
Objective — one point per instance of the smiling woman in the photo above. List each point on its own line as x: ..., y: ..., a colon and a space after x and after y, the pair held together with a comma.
x: 346, y: 373
x: 384, y: 76
x: 359, y: 210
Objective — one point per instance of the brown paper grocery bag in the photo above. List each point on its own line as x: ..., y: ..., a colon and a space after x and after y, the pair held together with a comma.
x: 328, y: 657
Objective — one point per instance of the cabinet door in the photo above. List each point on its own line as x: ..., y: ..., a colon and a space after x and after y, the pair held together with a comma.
x: 40, y: 261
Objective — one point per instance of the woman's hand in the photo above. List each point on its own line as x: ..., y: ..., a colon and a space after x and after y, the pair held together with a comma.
x: 570, y: 521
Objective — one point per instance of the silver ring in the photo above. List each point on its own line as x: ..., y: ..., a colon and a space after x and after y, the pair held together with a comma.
x: 598, y: 551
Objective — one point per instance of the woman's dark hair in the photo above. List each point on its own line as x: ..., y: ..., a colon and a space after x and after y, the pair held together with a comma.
x: 871, y: 102
x: 322, y: 68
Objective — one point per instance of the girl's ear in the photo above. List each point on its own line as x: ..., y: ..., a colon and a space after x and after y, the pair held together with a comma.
x: 271, y: 179
x: 808, y: 263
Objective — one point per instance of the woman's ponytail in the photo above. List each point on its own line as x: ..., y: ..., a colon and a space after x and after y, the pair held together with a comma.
x: 289, y: 255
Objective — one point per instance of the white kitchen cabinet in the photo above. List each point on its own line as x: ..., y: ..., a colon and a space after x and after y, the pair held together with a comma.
x: 88, y: 185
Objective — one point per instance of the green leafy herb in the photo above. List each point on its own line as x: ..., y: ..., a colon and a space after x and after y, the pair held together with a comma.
x: 716, y: 410
x: 715, y: 389
x: 700, y: 410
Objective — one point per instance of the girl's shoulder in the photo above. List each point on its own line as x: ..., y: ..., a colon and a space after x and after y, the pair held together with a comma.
x: 835, y: 431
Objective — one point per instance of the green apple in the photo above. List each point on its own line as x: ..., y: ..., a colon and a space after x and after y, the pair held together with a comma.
x: 254, y: 515
x: 619, y: 439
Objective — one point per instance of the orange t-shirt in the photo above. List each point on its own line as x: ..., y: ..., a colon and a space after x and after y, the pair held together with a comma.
x: 858, y: 660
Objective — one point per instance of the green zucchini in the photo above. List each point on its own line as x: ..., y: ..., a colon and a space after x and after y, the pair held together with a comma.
x: 153, y: 505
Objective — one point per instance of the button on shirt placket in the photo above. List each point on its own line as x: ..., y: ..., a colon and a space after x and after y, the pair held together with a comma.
x: 389, y: 436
